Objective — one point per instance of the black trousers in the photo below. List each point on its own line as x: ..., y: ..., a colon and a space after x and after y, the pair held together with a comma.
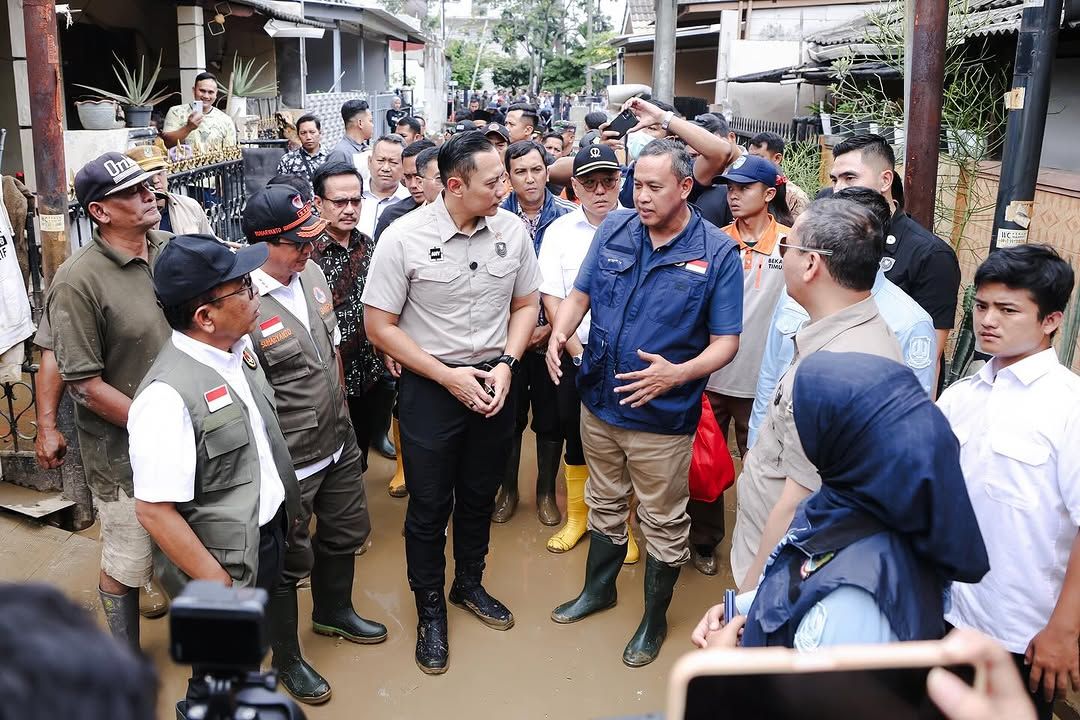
x: 455, y: 459
x: 1043, y: 710
x: 532, y: 386
x: 569, y: 403
x: 362, y: 413
x: 272, y: 551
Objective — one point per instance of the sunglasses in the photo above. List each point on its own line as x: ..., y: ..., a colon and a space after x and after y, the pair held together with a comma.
x: 246, y: 286
x: 784, y: 247
x: 608, y: 183
x: 342, y: 203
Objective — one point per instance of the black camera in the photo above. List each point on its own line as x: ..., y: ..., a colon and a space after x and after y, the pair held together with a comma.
x: 221, y: 632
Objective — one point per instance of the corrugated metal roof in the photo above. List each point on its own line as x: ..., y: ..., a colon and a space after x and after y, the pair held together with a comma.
x: 984, y: 17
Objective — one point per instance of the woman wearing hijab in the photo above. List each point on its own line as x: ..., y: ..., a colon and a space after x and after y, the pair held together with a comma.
x: 869, y: 557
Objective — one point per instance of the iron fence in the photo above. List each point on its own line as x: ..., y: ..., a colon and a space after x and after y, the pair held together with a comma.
x: 219, y: 188
x: 799, y: 129
x: 18, y: 416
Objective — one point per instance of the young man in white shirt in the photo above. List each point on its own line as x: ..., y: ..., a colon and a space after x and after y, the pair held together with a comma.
x: 1018, y: 423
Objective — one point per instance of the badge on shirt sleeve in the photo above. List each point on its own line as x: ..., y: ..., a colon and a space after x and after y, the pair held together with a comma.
x: 813, y: 564
x: 249, y: 359
x: 500, y: 249
x: 919, y: 353
x: 271, y: 326
x: 218, y: 398
x: 887, y: 263
x: 320, y: 296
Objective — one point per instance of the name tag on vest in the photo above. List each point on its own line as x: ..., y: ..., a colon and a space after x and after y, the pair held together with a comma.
x: 271, y: 326
x: 217, y: 398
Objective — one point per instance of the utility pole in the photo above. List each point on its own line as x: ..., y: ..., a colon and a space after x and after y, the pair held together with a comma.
x: 928, y: 22
x: 590, y: 5
x: 663, y: 61
x: 1026, y: 102
x: 47, y: 119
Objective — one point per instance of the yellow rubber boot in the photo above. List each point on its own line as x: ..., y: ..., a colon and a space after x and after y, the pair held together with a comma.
x: 576, y: 511
x: 397, y: 483
x: 632, y: 555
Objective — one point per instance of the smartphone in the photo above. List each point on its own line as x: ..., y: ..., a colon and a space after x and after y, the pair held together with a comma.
x: 729, y: 606
x: 622, y: 123
x: 196, y: 106
x: 882, y: 682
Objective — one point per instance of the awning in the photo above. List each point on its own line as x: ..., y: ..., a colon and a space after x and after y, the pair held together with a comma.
x: 356, y: 16
x: 818, y: 74
x: 276, y: 11
x: 685, y: 39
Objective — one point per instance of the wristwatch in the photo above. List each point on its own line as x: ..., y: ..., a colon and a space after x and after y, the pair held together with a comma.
x: 511, y: 362
x: 577, y: 360
x: 667, y: 119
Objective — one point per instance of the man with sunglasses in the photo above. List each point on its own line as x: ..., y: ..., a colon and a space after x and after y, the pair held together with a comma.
x: 296, y: 340
x: 830, y: 263
x: 104, y: 325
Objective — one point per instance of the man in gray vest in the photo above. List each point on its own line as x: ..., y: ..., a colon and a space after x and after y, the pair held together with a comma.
x: 214, y: 483
x: 296, y: 340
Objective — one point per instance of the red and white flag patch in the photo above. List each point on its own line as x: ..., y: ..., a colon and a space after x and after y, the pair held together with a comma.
x: 217, y: 398
x: 698, y: 266
x: 271, y: 326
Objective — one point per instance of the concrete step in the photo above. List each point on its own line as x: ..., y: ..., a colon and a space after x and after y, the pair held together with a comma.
x: 32, y: 503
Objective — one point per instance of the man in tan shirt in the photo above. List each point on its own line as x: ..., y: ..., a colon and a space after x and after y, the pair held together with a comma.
x: 829, y: 266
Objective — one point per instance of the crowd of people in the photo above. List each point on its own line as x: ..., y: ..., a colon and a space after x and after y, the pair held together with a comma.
x: 225, y: 395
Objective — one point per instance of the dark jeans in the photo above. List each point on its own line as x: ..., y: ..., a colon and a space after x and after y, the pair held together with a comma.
x: 455, y: 461
x: 532, y: 386
x: 1043, y: 710
x: 569, y: 403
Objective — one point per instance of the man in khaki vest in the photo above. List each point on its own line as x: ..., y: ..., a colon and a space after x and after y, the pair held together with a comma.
x: 295, y: 339
x: 214, y: 482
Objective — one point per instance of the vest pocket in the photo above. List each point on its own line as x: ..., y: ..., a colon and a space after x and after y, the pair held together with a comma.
x: 221, y: 444
x: 299, y: 428
x: 676, y: 299
x: 285, y: 360
x: 226, y: 541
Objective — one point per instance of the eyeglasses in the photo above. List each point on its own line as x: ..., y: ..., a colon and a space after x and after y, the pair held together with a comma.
x: 784, y: 247
x: 246, y: 286
x: 608, y: 183
x: 135, y: 190
x: 342, y: 203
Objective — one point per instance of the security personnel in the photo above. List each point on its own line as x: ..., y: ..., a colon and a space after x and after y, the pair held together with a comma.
x: 665, y: 290
x: 452, y: 296
x: 296, y: 342
x: 203, y: 422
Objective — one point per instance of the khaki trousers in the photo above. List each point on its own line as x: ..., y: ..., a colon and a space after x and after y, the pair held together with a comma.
x: 653, y: 466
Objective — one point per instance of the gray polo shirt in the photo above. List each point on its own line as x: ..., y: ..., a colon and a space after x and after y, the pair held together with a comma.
x: 779, y: 453
x: 452, y: 291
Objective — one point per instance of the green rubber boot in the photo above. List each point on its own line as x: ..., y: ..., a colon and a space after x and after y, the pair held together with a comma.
x: 644, y: 647
x: 601, y: 569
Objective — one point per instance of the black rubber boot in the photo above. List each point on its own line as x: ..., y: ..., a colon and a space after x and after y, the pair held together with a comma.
x: 506, y: 500
x: 601, y: 570
x: 382, y: 409
x: 644, y: 647
x: 332, y: 612
x: 468, y: 594
x: 704, y: 558
x: 548, y: 458
x: 296, y: 676
x: 432, y: 642
x: 122, y: 615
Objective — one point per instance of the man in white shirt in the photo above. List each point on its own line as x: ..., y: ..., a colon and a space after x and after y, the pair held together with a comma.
x: 206, y: 391
x: 384, y: 187
x: 1018, y: 423
x: 596, y: 183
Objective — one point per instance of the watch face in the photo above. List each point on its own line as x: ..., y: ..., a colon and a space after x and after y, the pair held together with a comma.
x: 577, y: 360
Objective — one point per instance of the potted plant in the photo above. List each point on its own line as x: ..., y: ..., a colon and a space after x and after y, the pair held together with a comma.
x: 137, y: 94
x: 243, y: 84
x: 97, y: 114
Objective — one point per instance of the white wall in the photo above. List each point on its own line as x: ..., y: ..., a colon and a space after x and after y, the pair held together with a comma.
x: 797, y: 23
x: 762, y: 101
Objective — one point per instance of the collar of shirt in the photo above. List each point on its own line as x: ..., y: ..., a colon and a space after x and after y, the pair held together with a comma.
x: 212, y: 357
x: 646, y: 240
x: 400, y: 193
x: 765, y: 245
x: 581, y: 219
x: 154, y: 242
x: 445, y: 224
x: 325, y: 243
x: 1026, y: 371
x: 816, y: 335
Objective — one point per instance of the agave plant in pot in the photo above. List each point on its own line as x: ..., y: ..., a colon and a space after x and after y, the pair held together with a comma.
x: 137, y: 93
x: 243, y: 84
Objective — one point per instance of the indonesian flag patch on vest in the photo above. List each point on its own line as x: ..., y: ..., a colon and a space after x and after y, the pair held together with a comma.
x: 271, y: 326
x: 698, y: 266
x: 217, y: 398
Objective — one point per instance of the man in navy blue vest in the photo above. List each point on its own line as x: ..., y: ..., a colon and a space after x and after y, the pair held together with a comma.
x: 665, y: 291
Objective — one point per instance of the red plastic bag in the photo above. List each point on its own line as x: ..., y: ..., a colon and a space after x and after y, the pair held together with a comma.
x: 711, y: 469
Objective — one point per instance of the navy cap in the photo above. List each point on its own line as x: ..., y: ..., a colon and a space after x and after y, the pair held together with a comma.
x: 108, y: 174
x: 191, y: 265
x: 595, y: 157
x: 708, y: 121
x: 280, y: 211
x: 498, y: 129
x: 750, y: 169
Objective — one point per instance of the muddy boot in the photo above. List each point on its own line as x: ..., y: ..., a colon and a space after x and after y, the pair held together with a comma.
x: 296, y: 676
x: 432, y: 643
x: 381, y: 410
x: 397, y: 483
x: 576, y: 511
x: 704, y: 559
x: 153, y: 603
x: 468, y: 594
x: 601, y: 569
x: 659, y: 585
x: 548, y: 455
x: 122, y: 615
x: 331, y: 602
x: 507, y: 498
x: 632, y: 552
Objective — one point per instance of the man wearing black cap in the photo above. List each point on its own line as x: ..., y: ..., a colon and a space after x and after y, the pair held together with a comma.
x: 499, y: 137
x: 212, y: 473
x: 296, y: 341
x: 106, y: 331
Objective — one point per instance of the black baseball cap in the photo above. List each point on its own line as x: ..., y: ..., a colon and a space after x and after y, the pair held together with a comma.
x: 595, y: 157
x: 481, y: 115
x: 750, y: 169
x: 280, y: 211
x: 497, y: 128
x: 106, y: 175
x: 191, y: 265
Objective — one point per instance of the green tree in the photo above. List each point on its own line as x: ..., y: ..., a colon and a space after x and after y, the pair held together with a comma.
x: 462, y: 56
x: 538, y: 27
x: 510, y: 72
